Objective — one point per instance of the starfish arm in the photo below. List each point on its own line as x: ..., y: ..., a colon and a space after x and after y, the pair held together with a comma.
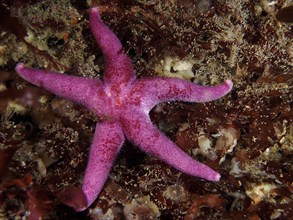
x: 162, y: 89
x: 88, y: 92
x: 107, y: 142
x: 139, y: 129
x: 118, y: 65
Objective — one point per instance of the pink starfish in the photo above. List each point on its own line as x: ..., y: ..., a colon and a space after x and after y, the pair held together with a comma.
x: 123, y: 104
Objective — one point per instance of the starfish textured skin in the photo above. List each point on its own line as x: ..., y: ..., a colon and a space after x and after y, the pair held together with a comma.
x: 123, y: 103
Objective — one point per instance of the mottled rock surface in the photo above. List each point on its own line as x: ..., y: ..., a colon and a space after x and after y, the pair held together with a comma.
x: 247, y: 136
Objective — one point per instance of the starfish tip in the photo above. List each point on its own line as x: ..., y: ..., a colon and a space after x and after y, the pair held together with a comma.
x: 217, y: 177
x: 80, y: 209
x: 94, y: 10
x: 229, y: 83
x: 19, y: 67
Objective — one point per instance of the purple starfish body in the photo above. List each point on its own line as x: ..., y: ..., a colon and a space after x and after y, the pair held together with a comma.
x: 123, y: 104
